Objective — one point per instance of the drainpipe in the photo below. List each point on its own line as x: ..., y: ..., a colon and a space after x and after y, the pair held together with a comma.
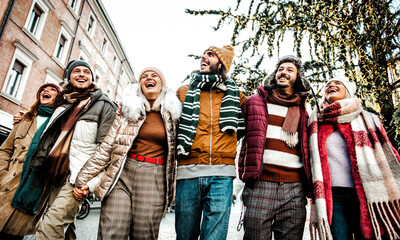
x: 4, y: 23
x: 76, y: 30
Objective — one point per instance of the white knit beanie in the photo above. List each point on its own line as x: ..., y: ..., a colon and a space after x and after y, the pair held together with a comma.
x: 350, y: 86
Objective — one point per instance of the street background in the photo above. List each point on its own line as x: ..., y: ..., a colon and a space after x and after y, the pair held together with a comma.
x: 87, y: 228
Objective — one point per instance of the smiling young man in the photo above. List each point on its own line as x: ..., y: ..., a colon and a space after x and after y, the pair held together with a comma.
x: 273, y: 160
x: 74, y: 131
x: 210, y: 123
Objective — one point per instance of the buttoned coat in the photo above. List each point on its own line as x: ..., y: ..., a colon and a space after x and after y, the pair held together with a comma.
x: 12, y: 158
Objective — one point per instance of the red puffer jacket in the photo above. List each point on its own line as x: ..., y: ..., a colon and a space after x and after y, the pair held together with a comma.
x: 251, y: 155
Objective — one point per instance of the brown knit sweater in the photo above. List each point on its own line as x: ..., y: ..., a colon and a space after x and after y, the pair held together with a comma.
x: 152, y: 138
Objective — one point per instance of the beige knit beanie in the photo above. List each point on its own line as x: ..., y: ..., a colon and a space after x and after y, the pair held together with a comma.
x: 225, y: 55
x: 156, y: 70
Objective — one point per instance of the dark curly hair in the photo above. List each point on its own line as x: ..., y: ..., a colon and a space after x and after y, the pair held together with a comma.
x: 301, y: 84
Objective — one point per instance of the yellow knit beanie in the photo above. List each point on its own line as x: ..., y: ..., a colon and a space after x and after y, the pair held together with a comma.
x: 224, y: 54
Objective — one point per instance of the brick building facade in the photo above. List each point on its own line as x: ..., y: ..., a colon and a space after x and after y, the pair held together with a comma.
x: 39, y: 37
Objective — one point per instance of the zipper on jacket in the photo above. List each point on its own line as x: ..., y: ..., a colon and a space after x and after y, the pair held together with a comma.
x: 211, y: 103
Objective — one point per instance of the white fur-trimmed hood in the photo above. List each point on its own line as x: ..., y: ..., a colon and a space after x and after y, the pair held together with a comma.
x: 135, y: 104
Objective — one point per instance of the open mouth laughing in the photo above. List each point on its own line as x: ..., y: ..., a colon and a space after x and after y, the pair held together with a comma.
x: 150, y: 84
x: 46, y: 96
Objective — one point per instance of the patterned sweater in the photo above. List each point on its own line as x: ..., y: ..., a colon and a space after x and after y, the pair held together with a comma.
x: 280, y: 162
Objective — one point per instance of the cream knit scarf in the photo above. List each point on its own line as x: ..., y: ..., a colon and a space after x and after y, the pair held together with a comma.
x: 377, y: 161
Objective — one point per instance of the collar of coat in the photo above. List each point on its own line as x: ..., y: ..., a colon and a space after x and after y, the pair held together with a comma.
x: 135, y: 104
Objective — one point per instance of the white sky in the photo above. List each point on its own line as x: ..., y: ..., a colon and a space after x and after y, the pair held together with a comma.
x: 158, y: 33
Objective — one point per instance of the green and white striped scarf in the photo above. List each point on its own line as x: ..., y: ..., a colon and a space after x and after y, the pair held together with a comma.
x: 231, y: 116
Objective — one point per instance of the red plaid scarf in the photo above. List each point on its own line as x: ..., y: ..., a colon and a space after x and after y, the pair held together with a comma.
x: 376, y: 167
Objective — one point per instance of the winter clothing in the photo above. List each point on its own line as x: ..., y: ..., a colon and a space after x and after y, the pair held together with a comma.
x: 224, y: 54
x: 375, y: 169
x: 281, y: 163
x: 222, y: 146
x: 12, y: 157
x: 351, y: 88
x: 210, y: 164
x: 29, y: 193
x: 132, y: 182
x: 159, y: 73
x: 301, y: 84
x: 89, y: 130
x: 73, y: 64
x: 291, y: 121
x: 231, y: 118
x: 273, y: 163
x: 250, y: 165
x: 124, y: 131
x: 46, y: 85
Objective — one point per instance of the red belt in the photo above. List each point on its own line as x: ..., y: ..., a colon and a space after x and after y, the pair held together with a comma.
x: 146, y: 159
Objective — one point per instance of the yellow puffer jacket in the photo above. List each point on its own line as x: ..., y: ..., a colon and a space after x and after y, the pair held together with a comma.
x: 210, y: 145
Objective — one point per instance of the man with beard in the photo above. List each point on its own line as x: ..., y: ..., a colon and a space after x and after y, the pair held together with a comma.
x: 273, y: 160
x: 210, y: 124
x: 71, y: 137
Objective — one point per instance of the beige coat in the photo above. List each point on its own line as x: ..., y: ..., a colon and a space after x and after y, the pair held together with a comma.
x: 114, y: 149
x: 12, y: 157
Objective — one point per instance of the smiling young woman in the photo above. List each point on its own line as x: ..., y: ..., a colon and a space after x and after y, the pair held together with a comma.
x: 15, y: 153
x: 141, y: 174
x: 355, y: 169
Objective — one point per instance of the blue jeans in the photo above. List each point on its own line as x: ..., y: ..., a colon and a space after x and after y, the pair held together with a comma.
x: 210, y: 196
x: 346, y: 214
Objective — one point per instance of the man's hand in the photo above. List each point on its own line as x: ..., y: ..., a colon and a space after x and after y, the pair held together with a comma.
x: 18, y: 117
x: 81, y: 193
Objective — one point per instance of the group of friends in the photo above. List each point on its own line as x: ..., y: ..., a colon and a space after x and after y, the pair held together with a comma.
x: 160, y: 146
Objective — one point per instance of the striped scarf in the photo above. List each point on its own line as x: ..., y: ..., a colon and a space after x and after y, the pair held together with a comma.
x: 378, y: 170
x: 231, y: 117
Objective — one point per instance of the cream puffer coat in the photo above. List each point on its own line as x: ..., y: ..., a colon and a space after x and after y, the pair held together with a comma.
x: 114, y: 149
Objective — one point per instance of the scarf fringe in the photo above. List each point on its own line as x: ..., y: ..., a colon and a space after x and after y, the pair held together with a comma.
x: 290, y: 138
x: 320, y: 230
x: 381, y: 212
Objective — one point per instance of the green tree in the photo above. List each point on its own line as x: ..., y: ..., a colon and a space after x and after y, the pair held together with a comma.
x: 360, y: 37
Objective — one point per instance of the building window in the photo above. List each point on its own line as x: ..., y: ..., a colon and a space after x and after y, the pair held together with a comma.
x: 53, y: 77
x: 18, y: 72
x: 36, y: 19
x: 60, y: 47
x: 90, y: 25
x: 14, y: 79
x: 74, y: 5
x: 110, y: 87
x: 114, y: 63
x: 104, y: 46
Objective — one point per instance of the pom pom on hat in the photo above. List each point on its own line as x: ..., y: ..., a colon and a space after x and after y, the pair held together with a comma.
x: 224, y: 54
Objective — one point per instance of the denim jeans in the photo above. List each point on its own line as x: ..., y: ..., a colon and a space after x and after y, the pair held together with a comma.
x: 207, y: 196
x: 346, y: 214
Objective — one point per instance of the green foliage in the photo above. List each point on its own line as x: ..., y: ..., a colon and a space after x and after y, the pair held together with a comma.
x: 360, y: 37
